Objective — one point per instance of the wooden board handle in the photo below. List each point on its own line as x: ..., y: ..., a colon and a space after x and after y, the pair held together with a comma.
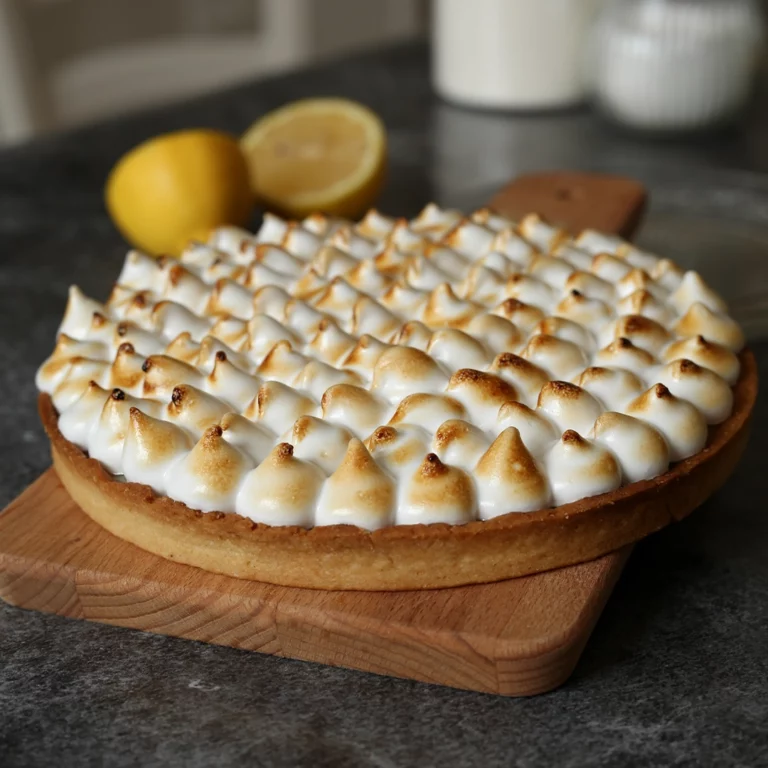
x: 575, y: 201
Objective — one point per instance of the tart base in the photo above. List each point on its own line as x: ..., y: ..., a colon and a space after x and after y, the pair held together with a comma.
x: 403, y: 557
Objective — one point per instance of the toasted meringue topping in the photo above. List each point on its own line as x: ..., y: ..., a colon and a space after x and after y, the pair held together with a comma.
x: 613, y: 387
x: 703, y: 388
x: 557, y: 356
x: 693, y: 289
x: 277, y: 405
x: 437, y: 493
x: 578, y: 468
x: 535, y: 428
x: 107, y: 435
x: 320, y: 441
x: 427, y: 411
x: 643, y: 332
x: 458, y: 348
x: 700, y: 320
x: 681, y: 424
x: 210, y: 475
x: 482, y: 394
x: 282, y: 490
x: 79, y: 373
x: 641, y: 449
x: 401, y: 371
x: 77, y: 420
x: 346, y: 404
x: 358, y: 493
x: 459, y: 442
x: 508, y: 478
x: 398, y: 448
x: 527, y: 378
x: 254, y: 440
x: 151, y: 446
x: 622, y: 353
x: 524, y: 316
x: 568, y: 406
x: 716, y: 357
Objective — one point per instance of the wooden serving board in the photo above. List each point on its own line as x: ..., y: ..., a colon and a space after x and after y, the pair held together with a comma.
x: 517, y: 637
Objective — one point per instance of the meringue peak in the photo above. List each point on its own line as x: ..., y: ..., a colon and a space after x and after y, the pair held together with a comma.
x: 509, y: 478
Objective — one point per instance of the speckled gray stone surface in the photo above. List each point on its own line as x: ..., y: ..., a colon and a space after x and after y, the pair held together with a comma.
x: 677, y: 670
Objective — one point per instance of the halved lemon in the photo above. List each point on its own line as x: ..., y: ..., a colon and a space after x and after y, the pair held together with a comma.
x: 324, y: 155
x: 178, y: 187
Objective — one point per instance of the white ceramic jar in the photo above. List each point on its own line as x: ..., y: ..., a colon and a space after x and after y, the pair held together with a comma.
x: 512, y: 54
x: 671, y: 65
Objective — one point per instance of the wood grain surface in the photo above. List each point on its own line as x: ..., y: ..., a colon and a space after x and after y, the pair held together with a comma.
x: 518, y: 637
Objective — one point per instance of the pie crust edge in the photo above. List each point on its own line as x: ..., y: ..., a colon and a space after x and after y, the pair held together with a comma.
x: 404, y: 557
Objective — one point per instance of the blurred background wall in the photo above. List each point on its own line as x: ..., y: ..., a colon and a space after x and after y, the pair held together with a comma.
x: 65, y: 62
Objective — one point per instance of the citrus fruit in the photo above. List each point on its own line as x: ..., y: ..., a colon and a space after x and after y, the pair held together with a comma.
x: 324, y: 155
x: 178, y: 187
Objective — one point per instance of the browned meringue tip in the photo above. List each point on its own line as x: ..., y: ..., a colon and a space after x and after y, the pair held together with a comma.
x: 558, y: 356
x: 280, y: 359
x: 562, y: 390
x: 435, y: 484
x: 272, y: 392
x: 412, y: 404
x: 642, y: 302
x: 642, y: 332
x: 450, y: 431
x: 366, y: 276
x: 523, y: 315
x: 716, y: 357
x: 397, y: 447
x: 126, y: 348
x: 406, y: 363
x: 337, y: 296
x: 700, y: 320
x: 444, y: 307
x: 635, y: 279
x: 127, y: 370
x: 64, y: 345
x: 270, y: 300
x: 183, y: 348
x: 446, y: 343
x: 413, y: 333
x: 330, y: 258
x: 432, y: 466
x: 576, y: 306
x: 392, y: 262
x: 357, y: 459
x: 280, y: 454
x: 623, y: 345
x: 213, y: 434
x: 587, y: 284
x: 486, y: 386
x: 368, y: 316
x: 380, y: 436
x: 348, y: 396
x: 572, y: 438
x: 162, y: 372
x: 565, y: 329
x: 508, y: 457
x: 610, y: 267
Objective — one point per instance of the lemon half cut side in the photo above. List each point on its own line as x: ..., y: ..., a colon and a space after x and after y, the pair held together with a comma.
x: 324, y: 154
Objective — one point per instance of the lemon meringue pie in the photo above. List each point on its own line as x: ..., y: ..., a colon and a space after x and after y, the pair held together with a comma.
x: 395, y: 404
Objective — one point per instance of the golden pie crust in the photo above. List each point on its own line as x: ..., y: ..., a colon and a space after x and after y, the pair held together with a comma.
x: 404, y: 557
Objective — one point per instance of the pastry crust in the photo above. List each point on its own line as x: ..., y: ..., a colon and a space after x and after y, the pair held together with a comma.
x: 404, y: 557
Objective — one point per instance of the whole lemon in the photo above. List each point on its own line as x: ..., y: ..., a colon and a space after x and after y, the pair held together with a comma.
x: 178, y: 187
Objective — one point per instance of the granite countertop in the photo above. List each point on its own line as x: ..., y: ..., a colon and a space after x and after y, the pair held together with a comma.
x: 677, y: 669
